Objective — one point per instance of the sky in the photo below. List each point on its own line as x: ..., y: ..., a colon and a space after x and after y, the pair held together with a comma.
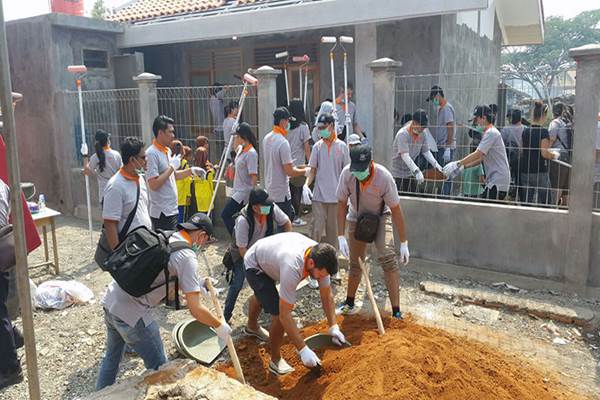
x: 15, y: 9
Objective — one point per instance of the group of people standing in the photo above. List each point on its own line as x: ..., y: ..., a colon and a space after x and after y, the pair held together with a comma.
x: 513, y: 162
x: 340, y: 180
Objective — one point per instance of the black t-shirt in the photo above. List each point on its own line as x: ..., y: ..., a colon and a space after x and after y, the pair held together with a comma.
x: 532, y: 161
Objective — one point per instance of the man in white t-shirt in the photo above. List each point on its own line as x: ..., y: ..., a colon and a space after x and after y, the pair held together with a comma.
x: 491, y: 152
x: 366, y: 187
x: 162, y: 171
x: 279, y: 165
x: 350, y: 115
x: 288, y: 258
x: 445, y: 131
x: 129, y: 319
x: 121, y: 193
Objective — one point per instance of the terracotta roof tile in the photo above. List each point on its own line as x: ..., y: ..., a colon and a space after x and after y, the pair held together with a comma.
x: 142, y: 10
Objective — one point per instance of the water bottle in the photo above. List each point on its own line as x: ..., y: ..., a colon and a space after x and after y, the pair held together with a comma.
x: 42, y: 202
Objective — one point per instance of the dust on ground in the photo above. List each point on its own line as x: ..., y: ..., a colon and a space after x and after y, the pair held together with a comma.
x: 70, y: 342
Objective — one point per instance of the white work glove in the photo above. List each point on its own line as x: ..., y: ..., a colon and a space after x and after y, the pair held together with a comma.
x: 176, y: 162
x: 307, y: 195
x: 308, y: 357
x: 555, y: 154
x: 199, y: 172
x: 404, y: 254
x: 343, y: 245
x: 447, y: 155
x: 452, y: 168
x: 419, y: 177
x: 337, y: 337
x: 439, y: 167
x: 204, y: 289
x: 84, y: 149
x: 223, y: 331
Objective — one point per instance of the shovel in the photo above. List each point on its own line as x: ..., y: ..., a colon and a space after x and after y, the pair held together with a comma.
x: 365, y: 273
x: 232, y: 353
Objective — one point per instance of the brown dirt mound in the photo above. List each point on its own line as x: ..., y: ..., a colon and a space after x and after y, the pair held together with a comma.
x: 410, y: 362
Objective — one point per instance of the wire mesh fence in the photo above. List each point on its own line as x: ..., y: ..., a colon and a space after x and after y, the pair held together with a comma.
x: 202, y: 111
x: 115, y: 111
x: 526, y: 162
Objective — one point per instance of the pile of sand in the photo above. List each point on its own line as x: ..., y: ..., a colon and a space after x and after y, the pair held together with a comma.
x: 409, y: 362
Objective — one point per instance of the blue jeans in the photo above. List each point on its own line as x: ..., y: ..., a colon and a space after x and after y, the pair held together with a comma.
x: 439, y: 156
x: 238, y: 276
x: 231, y: 208
x: 535, y: 183
x: 145, y: 340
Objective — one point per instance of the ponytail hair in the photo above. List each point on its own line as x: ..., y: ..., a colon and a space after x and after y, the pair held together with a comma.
x: 245, y: 132
x: 101, y: 141
x: 539, y: 109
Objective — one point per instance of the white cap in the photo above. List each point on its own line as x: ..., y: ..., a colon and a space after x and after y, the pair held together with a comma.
x: 354, y: 139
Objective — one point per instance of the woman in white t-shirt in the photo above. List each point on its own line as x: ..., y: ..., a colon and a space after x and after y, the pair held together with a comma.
x: 246, y: 174
x: 104, y: 163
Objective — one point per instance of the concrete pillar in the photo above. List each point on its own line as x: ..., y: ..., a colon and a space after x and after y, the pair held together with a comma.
x: 365, y: 50
x: 384, y: 86
x: 148, y: 103
x: 587, y: 102
x: 267, y: 102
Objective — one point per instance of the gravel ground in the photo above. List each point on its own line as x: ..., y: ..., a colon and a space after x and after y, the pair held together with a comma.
x: 70, y: 342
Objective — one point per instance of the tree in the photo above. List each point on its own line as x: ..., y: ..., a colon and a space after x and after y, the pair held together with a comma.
x: 541, y: 65
x: 99, y: 10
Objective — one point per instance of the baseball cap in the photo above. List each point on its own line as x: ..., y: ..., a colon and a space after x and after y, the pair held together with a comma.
x: 354, y: 139
x: 325, y: 119
x: 420, y: 117
x: 360, y: 157
x: 259, y: 196
x: 282, y: 113
x: 196, y: 222
x: 435, y: 90
x: 482, y: 111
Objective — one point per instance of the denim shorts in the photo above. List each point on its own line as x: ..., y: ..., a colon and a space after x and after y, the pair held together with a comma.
x: 264, y: 289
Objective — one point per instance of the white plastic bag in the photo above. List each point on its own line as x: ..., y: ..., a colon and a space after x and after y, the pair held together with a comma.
x: 61, y: 294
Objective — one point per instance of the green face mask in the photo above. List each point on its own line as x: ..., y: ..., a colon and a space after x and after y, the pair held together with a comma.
x: 196, y: 248
x: 287, y: 128
x: 361, y: 175
x: 324, y: 133
x: 436, y: 102
x: 265, y: 210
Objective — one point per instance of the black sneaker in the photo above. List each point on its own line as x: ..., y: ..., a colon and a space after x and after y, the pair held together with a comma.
x: 10, y: 377
x: 18, y: 336
x: 397, y: 315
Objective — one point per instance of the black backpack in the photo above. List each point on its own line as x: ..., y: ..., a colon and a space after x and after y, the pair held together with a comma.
x: 569, y: 139
x: 139, y: 258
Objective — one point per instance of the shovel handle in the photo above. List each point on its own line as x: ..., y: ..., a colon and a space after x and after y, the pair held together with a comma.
x: 371, y: 297
x: 232, y: 353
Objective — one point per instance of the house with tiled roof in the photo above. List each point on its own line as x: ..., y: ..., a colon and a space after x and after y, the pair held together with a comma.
x: 200, y: 42
x: 203, y: 42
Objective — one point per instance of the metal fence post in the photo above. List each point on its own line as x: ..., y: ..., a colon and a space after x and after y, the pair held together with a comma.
x: 587, y: 101
x: 266, y: 103
x: 148, y: 103
x: 384, y: 99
